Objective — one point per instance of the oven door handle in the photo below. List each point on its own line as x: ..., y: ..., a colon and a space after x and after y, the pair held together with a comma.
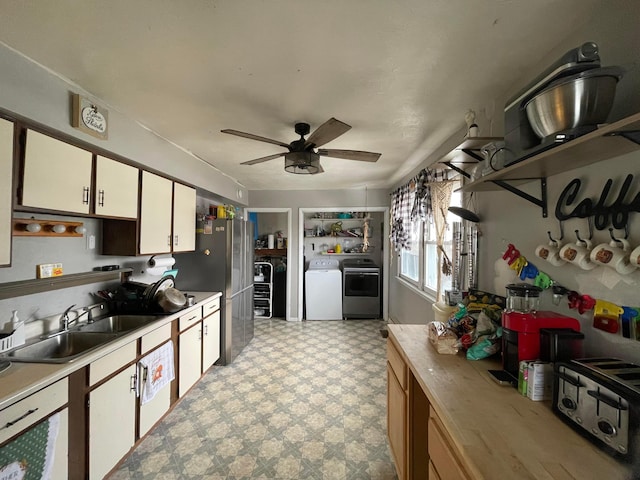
x: 601, y: 398
x: 361, y: 273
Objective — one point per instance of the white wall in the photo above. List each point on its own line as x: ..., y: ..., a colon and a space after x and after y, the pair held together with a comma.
x: 507, y: 218
x: 270, y: 223
x: 75, y: 256
x: 28, y: 90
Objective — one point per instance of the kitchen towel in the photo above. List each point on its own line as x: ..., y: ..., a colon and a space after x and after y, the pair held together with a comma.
x: 31, y: 455
x: 158, y: 371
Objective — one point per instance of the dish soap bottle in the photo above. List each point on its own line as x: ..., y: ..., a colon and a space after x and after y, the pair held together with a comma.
x: 17, y: 326
x: 338, y: 248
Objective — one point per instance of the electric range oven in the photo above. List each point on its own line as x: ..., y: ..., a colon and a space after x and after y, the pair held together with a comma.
x: 360, y: 288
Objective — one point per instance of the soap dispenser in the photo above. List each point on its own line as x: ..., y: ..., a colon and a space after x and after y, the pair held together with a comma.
x: 17, y: 326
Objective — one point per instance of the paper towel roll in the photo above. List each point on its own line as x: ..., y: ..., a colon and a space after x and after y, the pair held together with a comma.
x: 270, y: 242
x: 156, y: 270
x: 162, y: 262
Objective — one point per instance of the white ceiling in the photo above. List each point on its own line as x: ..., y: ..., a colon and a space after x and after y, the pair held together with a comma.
x: 402, y: 73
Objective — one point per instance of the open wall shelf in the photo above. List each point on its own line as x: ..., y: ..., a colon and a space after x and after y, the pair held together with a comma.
x: 612, y: 140
x: 39, y: 285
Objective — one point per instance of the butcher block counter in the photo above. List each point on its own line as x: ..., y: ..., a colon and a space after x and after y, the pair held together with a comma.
x: 448, y: 419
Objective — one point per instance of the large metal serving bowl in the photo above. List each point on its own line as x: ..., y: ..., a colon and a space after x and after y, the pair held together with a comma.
x: 576, y: 102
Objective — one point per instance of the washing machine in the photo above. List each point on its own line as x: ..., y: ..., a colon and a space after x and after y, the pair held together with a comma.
x: 323, y: 289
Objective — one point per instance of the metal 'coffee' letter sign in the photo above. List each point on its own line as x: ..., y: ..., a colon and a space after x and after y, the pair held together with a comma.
x: 89, y: 118
x: 618, y: 211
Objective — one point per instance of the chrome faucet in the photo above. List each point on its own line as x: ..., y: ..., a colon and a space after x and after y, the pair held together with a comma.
x: 65, y: 322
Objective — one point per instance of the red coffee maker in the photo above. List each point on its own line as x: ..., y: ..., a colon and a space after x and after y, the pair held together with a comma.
x: 521, y: 324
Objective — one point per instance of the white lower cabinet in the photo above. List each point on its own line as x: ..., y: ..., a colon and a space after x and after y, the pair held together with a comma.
x: 152, y: 411
x: 112, y: 410
x: 210, y: 339
x: 190, y: 359
x: 31, y: 419
x: 112, y: 415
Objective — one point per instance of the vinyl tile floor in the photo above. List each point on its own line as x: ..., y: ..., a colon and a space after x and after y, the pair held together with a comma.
x: 304, y: 400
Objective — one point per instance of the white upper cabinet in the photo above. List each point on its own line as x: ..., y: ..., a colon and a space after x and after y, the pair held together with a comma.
x: 116, y: 189
x: 155, y: 214
x: 6, y: 189
x: 57, y: 176
x: 184, y: 218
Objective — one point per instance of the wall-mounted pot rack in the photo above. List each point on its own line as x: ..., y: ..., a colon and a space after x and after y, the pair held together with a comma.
x: 608, y: 141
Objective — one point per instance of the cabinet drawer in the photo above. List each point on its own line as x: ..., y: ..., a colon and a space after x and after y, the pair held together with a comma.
x: 112, y: 362
x: 210, y: 307
x: 398, y: 365
x: 155, y: 338
x: 190, y: 318
x: 30, y: 410
x: 441, y: 452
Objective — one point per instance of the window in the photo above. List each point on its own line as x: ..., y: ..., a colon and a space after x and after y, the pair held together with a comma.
x: 419, y: 265
x: 410, y: 259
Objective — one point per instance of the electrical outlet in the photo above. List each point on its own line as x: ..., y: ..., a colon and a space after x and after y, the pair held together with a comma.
x: 91, y: 242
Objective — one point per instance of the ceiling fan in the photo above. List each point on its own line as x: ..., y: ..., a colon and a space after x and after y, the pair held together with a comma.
x: 303, y: 156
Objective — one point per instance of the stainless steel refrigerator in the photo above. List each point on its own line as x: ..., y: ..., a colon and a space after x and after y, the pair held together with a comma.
x: 223, y: 262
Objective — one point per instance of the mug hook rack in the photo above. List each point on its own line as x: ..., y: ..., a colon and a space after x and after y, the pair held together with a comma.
x: 626, y: 234
x: 561, y: 234
x: 578, y: 236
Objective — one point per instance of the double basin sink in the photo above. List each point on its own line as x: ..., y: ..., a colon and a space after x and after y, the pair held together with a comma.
x: 64, y: 347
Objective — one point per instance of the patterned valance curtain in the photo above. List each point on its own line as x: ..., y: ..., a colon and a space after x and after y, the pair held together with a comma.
x: 401, y: 205
x: 410, y: 202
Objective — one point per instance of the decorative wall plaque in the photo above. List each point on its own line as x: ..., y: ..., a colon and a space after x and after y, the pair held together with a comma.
x: 89, y: 117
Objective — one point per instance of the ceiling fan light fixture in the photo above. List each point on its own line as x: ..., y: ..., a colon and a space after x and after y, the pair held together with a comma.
x: 302, y: 163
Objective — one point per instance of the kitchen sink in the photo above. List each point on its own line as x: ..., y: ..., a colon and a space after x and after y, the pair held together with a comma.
x: 60, y: 348
x: 117, y: 323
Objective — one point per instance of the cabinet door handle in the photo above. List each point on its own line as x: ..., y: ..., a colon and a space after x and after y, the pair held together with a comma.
x: 13, y: 422
x: 143, y: 378
x: 101, y: 198
x: 169, y: 240
x: 133, y: 384
x: 176, y: 241
x: 199, y: 334
x: 85, y: 195
x: 206, y: 330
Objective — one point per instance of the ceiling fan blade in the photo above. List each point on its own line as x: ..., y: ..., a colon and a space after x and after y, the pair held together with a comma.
x: 350, y: 155
x: 264, y: 159
x: 251, y: 136
x: 326, y: 132
x: 320, y: 169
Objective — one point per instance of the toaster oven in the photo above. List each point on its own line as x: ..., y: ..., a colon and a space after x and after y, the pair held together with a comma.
x: 600, y: 398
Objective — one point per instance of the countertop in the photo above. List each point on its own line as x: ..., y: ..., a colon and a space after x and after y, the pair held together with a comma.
x: 22, y: 379
x: 498, y: 432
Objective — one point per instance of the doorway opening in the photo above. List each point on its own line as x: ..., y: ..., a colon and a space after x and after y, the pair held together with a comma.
x: 272, y: 255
